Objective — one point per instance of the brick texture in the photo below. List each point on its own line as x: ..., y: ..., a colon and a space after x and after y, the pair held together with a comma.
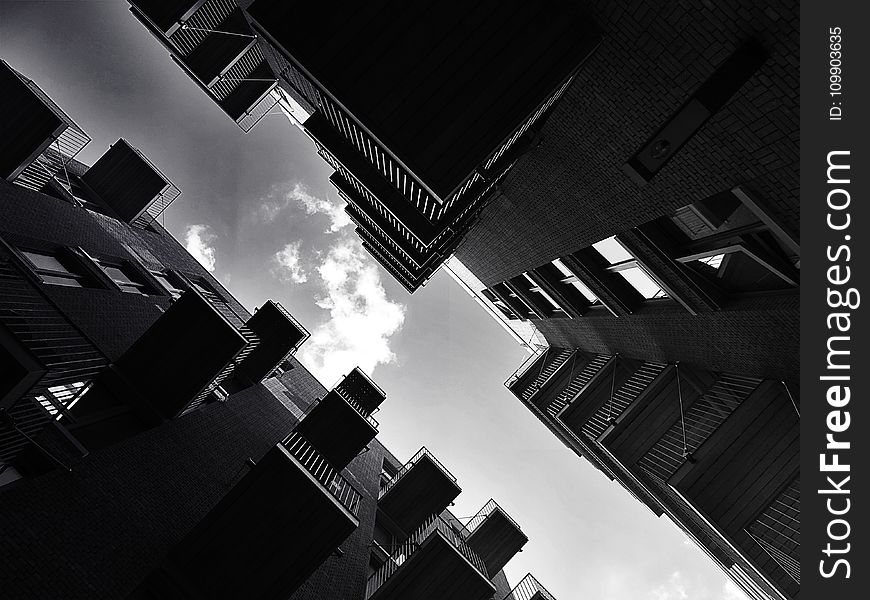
x: 571, y: 191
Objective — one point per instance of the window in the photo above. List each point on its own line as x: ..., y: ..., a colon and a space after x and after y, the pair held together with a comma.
x: 56, y: 269
x: 574, y: 281
x: 739, y: 249
x: 61, y: 398
x: 535, y: 288
x: 168, y: 282
x: 622, y: 262
x: 125, y: 277
x: 498, y: 304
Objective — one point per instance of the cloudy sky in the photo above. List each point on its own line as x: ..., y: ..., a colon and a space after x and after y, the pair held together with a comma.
x: 258, y: 212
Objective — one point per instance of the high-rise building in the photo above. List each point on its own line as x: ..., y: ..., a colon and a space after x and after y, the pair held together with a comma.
x: 632, y: 202
x: 421, y: 108
x: 159, y: 441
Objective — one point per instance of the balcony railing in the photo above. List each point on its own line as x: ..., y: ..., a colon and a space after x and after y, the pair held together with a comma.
x: 529, y: 588
x: 701, y: 419
x: 410, y: 464
x: 70, y: 359
x: 161, y: 201
x: 359, y: 389
x: 202, y: 22
x: 526, y: 365
x: 322, y: 471
x: 432, y: 525
x: 484, y: 512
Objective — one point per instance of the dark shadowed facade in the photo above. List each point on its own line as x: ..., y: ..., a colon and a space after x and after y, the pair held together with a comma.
x: 623, y: 177
x: 157, y: 440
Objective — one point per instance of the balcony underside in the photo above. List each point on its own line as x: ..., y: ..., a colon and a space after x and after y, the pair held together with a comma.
x: 262, y: 540
x: 125, y: 181
x: 21, y: 370
x: 436, y: 571
x: 28, y: 125
x: 421, y: 492
x: 279, y: 336
x: 180, y: 354
x: 337, y: 430
x: 247, y: 93
x: 496, y: 540
x: 166, y: 13
x: 218, y: 51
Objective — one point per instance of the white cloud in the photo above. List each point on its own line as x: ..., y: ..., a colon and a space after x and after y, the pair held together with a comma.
x: 290, y: 263
x: 198, y: 241
x: 362, y: 318
x: 674, y: 589
x: 298, y: 195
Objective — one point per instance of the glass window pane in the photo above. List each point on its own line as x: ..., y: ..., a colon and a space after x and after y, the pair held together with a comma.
x: 562, y: 268
x: 579, y: 286
x: 45, y: 261
x: 612, y: 251
x: 58, y: 280
x: 117, y: 274
x: 587, y: 293
x: 643, y: 283
x: 167, y: 283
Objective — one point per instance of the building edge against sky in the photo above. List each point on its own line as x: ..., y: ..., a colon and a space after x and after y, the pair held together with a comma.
x: 159, y: 441
x: 642, y: 213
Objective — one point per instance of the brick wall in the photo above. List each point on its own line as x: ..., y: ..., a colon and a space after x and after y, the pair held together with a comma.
x: 571, y: 191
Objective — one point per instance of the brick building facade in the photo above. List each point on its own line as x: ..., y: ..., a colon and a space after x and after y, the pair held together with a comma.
x: 157, y: 440
x: 643, y: 217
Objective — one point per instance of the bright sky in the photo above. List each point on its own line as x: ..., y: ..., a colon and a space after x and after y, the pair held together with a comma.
x: 259, y: 212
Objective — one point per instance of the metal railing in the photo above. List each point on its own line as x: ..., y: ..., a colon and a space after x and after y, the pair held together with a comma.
x: 161, y: 201
x: 485, y: 512
x: 70, y: 359
x: 702, y: 418
x: 410, y: 464
x: 778, y: 529
x: 526, y: 365
x: 434, y: 525
x: 201, y: 23
x: 621, y: 399
x: 527, y: 588
x: 310, y: 458
x: 259, y: 110
x: 240, y: 73
x: 360, y: 388
x: 358, y: 408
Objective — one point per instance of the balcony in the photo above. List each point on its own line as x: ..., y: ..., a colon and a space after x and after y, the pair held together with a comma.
x: 359, y: 389
x: 529, y: 589
x: 166, y: 15
x: 494, y: 536
x: 39, y: 139
x: 280, y: 336
x: 179, y: 358
x: 434, y: 563
x: 422, y: 487
x: 212, y: 40
x: 213, y: 43
x: 273, y: 529
x: 46, y: 361
x: 130, y: 184
x: 339, y: 427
